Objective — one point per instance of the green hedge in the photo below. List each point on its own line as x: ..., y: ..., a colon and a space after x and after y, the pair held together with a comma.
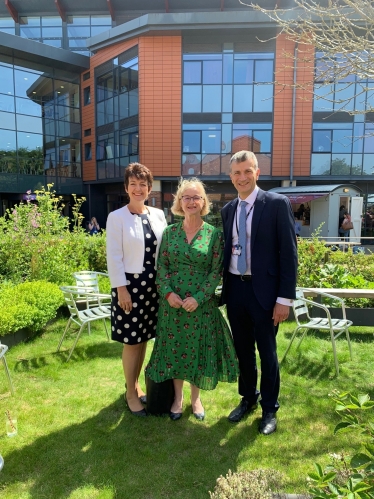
x: 28, y: 305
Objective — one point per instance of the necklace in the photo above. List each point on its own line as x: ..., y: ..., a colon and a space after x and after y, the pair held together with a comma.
x: 191, y: 231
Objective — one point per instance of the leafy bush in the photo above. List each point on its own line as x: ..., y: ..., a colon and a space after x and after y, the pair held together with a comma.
x: 255, y: 484
x: 348, y: 477
x: 28, y: 305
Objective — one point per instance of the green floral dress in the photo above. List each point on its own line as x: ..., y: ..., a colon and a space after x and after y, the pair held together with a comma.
x: 193, y: 346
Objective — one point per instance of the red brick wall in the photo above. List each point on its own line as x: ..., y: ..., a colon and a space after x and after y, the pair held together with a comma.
x: 160, y: 118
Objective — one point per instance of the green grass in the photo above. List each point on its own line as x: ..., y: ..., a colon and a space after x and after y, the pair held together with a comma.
x: 77, y: 440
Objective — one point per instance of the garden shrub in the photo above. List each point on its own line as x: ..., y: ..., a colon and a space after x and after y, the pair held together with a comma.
x: 255, y: 484
x: 28, y: 305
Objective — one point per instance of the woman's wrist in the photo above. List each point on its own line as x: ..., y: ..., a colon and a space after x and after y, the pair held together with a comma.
x: 167, y: 295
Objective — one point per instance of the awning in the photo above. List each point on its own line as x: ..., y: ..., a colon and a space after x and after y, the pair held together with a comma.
x: 303, y: 198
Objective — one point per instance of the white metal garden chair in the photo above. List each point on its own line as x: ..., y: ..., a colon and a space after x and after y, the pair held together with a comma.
x: 88, y: 280
x: 336, y: 327
x: 3, y: 350
x: 101, y: 311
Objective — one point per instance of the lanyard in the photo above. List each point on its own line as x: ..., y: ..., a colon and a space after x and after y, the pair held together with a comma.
x: 236, y: 218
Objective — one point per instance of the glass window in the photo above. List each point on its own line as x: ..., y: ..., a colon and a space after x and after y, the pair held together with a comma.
x: 370, y: 100
x: 210, y: 164
x: 77, y: 42
x: 79, y: 31
x: 322, y: 141
x: 368, y: 164
x: 81, y: 20
x: 6, y: 80
x: 27, y: 106
x: 6, y: 22
x: 356, y: 164
x: 133, y: 102
x: 264, y: 71
x: 104, y: 86
x: 30, y: 32
x: 8, y: 140
x: 227, y: 99
x: 344, y: 97
x: 8, y: 119
x: 87, y: 152
x: 321, y: 164
x: 96, y: 30
x: 228, y: 68
x: 261, y: 141
x: 342, y: 141
x: 53, y: 43
x: 263, y: 98
x: 243, y: 71
x: 191, y: 142
x: 55, y: 32
x: 191, y: 164
x: 87, y: 96
x: 322, y: 96
x: 98, y: 20
x: 7, y: 103
x: 340, y: 164
x: 29, y: 141
x: 29, y: 124
x: 212, y: 72
x: 226, y: 139
x: 212, y: 98
x: 243, y: 98
x: 51, y: 21
x: 369, y: 144
x: 192, y: 98
x: 24, y: 82
x: 192, y: 72
x: 211, y: 141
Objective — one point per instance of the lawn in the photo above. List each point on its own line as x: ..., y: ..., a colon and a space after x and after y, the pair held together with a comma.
x: 77, y: 440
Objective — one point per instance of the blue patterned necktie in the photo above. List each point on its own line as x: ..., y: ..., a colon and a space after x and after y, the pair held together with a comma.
x: 242, y: 258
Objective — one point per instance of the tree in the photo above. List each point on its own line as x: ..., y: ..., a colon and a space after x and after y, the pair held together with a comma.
x: 341, y: 32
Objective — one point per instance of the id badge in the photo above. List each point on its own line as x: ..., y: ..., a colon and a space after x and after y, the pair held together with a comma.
x: 237, y: 249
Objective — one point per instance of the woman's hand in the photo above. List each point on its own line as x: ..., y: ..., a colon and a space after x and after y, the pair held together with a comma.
x: 190, y: 304
x: 124, y: 299
x: 175, y: 301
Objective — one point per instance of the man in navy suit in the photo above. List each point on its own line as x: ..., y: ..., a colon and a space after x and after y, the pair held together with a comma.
x: 259, y: 281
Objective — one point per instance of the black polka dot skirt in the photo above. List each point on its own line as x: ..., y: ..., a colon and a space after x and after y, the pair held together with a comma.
x: 139, y: 325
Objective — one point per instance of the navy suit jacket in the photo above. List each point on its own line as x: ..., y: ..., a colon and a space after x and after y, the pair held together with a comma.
x: 273, y: 248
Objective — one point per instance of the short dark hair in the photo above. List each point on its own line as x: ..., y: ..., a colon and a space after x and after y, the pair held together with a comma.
x: 140, y: 172
x: 241, y: 156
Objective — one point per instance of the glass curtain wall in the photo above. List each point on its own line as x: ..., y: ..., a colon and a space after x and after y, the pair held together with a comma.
x: 7, y: 25
x: 343, y: 143
x: 227, y: 107
x: 46, y: 29
x: 79, y: 28
x: 117, y: 110
x: 40, y: 122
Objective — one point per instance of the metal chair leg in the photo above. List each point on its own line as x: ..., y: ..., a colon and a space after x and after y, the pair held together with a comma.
x: 8, y: 374
x: 106, y: 329
x: 75, y: 341
x: 63, y: 335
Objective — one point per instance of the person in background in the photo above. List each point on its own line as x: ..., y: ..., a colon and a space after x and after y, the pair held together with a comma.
x: 134, y: 234
x: 297, y: 227
x: 300, y: 211
x: 93, y: 226
x: 193, y: 342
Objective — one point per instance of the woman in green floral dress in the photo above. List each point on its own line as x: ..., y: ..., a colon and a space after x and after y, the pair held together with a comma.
x: 193, y: 342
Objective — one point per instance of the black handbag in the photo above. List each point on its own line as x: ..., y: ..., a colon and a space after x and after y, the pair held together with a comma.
x: 160, y: 396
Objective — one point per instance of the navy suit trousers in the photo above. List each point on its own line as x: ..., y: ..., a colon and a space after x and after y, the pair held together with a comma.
x: 253, y: 326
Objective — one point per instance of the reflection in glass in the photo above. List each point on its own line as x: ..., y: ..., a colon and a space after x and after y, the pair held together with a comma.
x: 192, y: 98
x: 264, y: 163
x: 212, y: 98
x: 29, y: 124
x: 7, y: 103
x: 24, y: 81
x: 191, y: 164
x: 211, y: 141
x: 264, y: 71
x: 342, y: 141
x: 8, y: 119
x: 79, y: 31
x: 263, y: 98
x: 210, y: 164
x: 30, y: 32
x: 192, y: 72
x: 243, y: 71
x: 228, y: 68
x: 340, y: 164
x: 243, y: 98
x: 191, y: 142
x: 212, y: 72
x: 27, y: 106
x: 6, y: 80
x: 356, y: 164
x: 227, y: 99
x: 226, y: 139
x: 261, y: 141
x: 55, y: 32
x: 321, y: 164
x: 322, y: 141
x: 322, y: 95
x: 51, y: 21
x: 368, y: 168
x: 369, y: 144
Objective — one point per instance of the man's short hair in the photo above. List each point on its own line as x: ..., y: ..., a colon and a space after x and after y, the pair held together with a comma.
x: 241, y: 156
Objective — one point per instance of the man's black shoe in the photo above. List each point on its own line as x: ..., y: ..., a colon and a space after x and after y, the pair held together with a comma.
x: 268, y: 423
x: 237, y: 414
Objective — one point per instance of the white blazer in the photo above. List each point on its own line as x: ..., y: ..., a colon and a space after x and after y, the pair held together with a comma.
x: 125, y: 245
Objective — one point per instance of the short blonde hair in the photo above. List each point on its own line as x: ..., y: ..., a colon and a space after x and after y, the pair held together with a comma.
x: 185, y: 184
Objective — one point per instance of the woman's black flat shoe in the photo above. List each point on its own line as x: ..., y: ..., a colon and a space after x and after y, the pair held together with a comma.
x: 142, y: 413
x: 174, y: 416
x: 143, y: 399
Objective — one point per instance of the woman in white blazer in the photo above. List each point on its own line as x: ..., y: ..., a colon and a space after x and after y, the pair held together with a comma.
x: 134, y: 234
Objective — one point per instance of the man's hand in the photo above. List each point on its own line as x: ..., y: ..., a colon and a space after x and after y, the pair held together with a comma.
x: 280, y: 313
x: 175, y: 301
